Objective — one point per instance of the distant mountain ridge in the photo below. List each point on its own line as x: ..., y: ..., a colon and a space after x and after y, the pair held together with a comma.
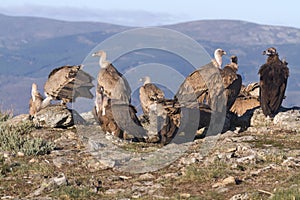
x: 31, y: 47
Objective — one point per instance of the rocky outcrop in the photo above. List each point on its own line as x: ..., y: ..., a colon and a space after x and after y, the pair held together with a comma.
x: 57, y: 116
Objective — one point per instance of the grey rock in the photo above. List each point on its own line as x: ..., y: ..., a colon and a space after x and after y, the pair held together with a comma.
x: 259, y: 119
x: 114, y: 191
x: 55, y: 116
x: 289, y: 120
x: 50, y: 184
x: 244, y: 196
x: 146, y: 177
x: 89, y: 117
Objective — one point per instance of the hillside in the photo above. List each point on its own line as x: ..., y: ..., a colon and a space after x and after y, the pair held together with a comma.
x: 31, y: 47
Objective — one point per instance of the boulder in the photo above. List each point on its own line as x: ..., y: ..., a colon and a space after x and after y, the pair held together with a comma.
x: 56, y: 116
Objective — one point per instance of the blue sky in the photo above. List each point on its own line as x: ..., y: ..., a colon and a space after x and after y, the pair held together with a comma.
x: 158, y: 12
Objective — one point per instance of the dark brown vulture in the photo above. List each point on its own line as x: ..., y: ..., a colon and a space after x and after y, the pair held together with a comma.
x: 195, y: 86
x: 149, y: 94
x: 36, y: 100
x: 66, y: 83
x: 111, y: 80
x: 273, y: 81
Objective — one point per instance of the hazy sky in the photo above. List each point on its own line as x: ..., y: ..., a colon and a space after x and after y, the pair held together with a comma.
x: 157, y: 12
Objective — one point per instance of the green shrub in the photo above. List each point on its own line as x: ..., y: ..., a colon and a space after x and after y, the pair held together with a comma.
x: 16, y: 138
x: 4, y: 116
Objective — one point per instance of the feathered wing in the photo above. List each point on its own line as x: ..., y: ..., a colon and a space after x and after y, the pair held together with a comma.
x: 149, y: 94
x: 273, y: 82
x: 232, y: 85
x: 69, y: 82
x: 114, y: 84
x: 243, y: 104
x: 195, y: 86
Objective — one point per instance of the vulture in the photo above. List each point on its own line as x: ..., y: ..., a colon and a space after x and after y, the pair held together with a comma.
x: 112, y: 109
x: 232, y: 81
x: 273, y: 81
x: 195, y: 86
x: 149, y: 94
x: 66, y: 83
x: 251, y: 89
x: 248, y: 99
x: 178, y: 119
x: 115, y: 86
x: 117, y: 118
x: 35, y: 102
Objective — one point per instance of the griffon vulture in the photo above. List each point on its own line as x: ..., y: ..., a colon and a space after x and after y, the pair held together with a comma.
x: 248, y: 99
x: 117, y: 118
x: 195, y: 86
x: 66, y: 83
x: 273, y: 81
x: 149, y: 94
x: 115, y: 86
x: 232, y: 81
x: 35, y: 102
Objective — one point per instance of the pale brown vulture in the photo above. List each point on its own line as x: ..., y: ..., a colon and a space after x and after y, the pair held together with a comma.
x: 248, y: 99
x: 195, y: 86
x: 251, y: 89
x: 115, y: 86
x: 149, y: 94
x: 66, y: 83
x: 243, y: 104
x: 35, y: 102
x: 232, y: 81
x: 273, y: 81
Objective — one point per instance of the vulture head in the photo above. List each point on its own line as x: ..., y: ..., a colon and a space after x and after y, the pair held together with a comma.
x: 102, y: 62
x: 284, y: 61
x: 270, y: 52
x: 218, y: 56
x: 234, y: 59
x: 145, y: 80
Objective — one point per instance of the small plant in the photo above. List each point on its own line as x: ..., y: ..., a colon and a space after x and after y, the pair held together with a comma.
x: 15, y: 138
x: 292, y: 193
x: 4, y: 116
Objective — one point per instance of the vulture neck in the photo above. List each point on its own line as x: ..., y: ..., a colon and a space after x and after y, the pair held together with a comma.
x: 273, y: 59
x: 34, y: 92
x: 147, y: 80
x: 103, y: 62
x: 218, y: 59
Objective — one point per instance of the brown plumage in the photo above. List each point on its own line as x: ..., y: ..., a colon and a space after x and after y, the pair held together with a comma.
x: 232, y: 81
x: 66, y: 83
x: 35, y: 102
x: 149, y: 94
x: 115, y: 86
x: 243, y: 104
x: 251, y: 89
x: 117, y: 118
x: 273, y: 81
x: 178, y: 118
x: 195, y: 87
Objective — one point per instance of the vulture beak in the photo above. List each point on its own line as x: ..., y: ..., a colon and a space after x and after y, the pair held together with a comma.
x: 94, y: 55
x: 264, y: 53
x: 224, y: 53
